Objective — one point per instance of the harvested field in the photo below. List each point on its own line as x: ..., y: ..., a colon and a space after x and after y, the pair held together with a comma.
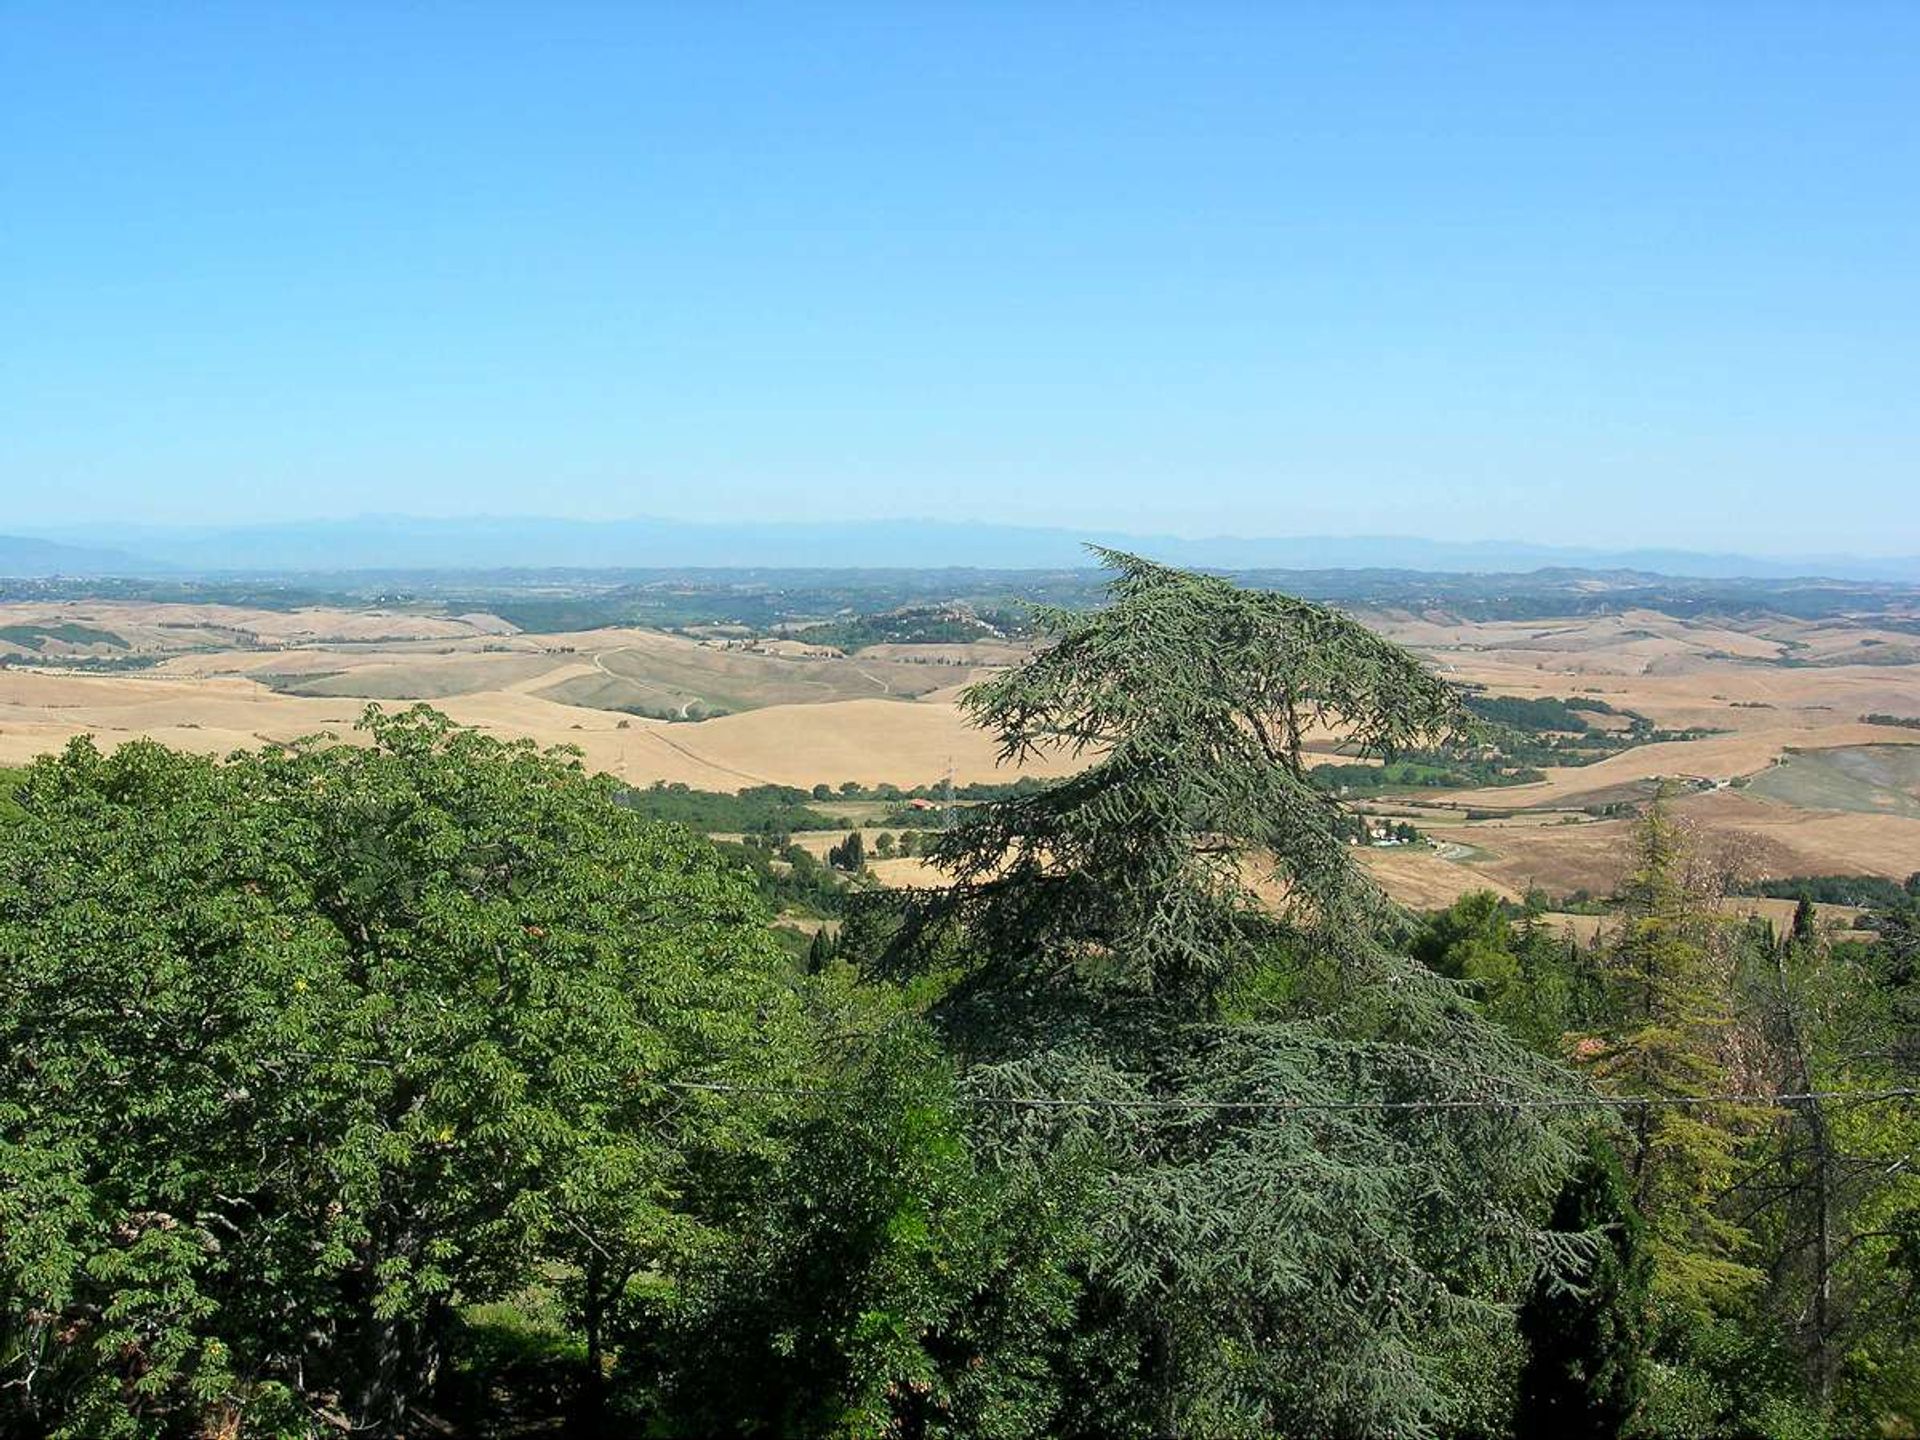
x: 871, y: 741
x: 1768, y: 840
x: 901, y: 874
x: 1792, y: 841
x: 1424, y: 879
x: 974, y: 654
x: 151, y: 627
x: 732, y: 675
x: 1835, y: 919
x: 1559, y: 859
x: 1716, y: 759
x: 1866, y: 779
x: 1846, y: 800
x: 426, y: 678
x: 898, y: 872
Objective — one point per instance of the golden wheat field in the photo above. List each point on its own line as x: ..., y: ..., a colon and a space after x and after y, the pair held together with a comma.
x: 228, y: 678
x: 216, y: 678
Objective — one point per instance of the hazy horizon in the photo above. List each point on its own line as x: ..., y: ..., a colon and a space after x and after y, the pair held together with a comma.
x: 1294, y: 271
x: 80, y: 531
x: 399, y: 543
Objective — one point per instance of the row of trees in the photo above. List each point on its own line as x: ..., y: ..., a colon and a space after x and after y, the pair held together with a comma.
x: 324, y: 1067
x: 1767, y: 1279
x: 850, y: 854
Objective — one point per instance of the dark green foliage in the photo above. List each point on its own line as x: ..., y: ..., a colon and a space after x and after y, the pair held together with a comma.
x: 691, y: 713
x: 788, y: 878
x: 1897, y: 956
x: 1543, y: 714
x: 759, y: 809
x: 850, y: 855
x: 767, y: 600
x: 880, y: 1280
x: 1804, y: 922
x: 914, y: 625
x: 1261, y: 1269
x: 1863, y: 890
x: 35, y: 637
x: 1663, y: 1038
x: 1906, y: 722
x: 421, y: 1086
x: 830, y: 607
x: 1585, y: 1374
x: 86, y: 664
x: 985, y: 789
x: 263, y: 594
x: 820, y: 949
x: 1425, y: 770
x: 1528, y: 978
x: 1823, y: 1188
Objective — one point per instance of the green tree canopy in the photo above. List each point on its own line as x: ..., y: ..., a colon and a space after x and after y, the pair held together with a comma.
x: 1283, y: 1240
x: 1668, y: 974
x: 1585, y: 1376
x: 300, y: 1049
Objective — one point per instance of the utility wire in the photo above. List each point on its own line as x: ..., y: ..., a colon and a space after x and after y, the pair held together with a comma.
x: 1148, y: 1104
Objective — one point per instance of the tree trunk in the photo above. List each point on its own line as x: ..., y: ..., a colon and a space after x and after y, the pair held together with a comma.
x: 594, y: 1312
x: 1162, y: 1365
x: 1820, y: 1140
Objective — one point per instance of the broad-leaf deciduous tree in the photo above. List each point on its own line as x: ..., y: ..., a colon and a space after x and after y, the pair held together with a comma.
x: 299, y: 1050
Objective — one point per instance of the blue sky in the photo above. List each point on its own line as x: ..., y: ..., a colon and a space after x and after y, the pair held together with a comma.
x: 1589, y: 274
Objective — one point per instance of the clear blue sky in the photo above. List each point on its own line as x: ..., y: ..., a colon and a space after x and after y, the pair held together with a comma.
x: 1584, y: 273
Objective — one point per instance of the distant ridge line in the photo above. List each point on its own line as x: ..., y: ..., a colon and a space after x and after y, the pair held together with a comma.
x: 399, y: 543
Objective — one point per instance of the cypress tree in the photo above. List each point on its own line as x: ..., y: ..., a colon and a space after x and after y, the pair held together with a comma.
x: 1804, y: 920
x: 1585, y: 1372
x: 850, y: 854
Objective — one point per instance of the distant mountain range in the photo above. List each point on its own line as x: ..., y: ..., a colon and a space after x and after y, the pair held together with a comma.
x: 25, y: 556
x: 398, y: 543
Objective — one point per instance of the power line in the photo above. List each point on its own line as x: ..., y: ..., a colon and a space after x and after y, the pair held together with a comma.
x: 1149, y: 1104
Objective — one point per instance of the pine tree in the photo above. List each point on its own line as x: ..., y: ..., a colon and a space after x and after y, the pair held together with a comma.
x: 1179, y: 927
x: 1669, y: 999
x: 1828, y: 1192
